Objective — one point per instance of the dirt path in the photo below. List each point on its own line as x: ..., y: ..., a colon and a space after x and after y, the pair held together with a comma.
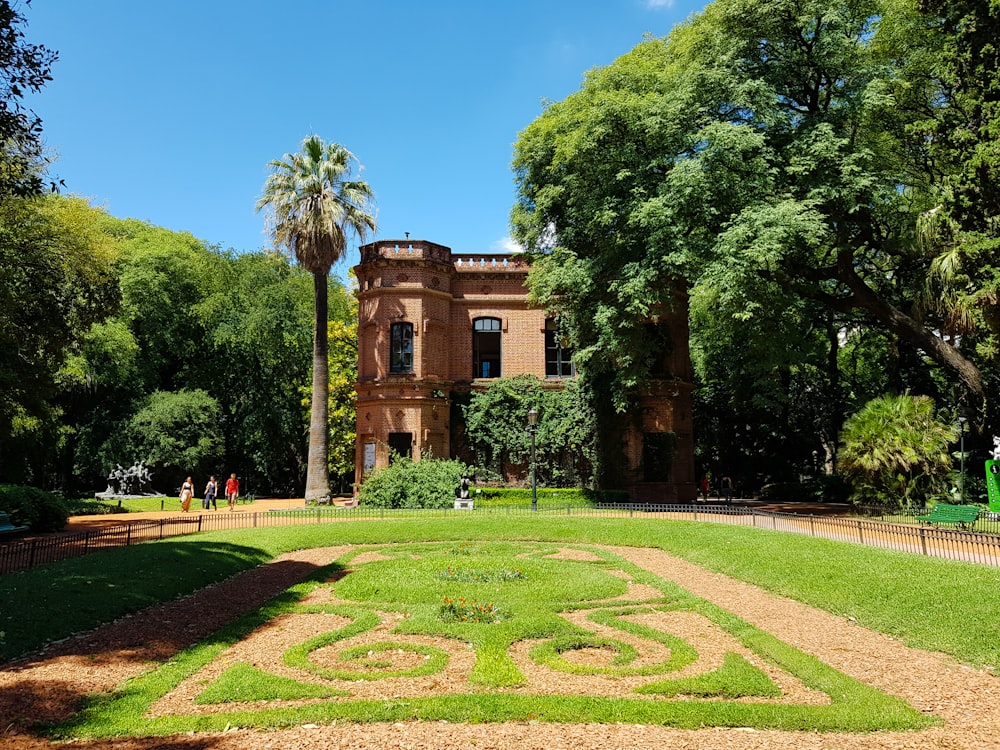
x: 47, y: 686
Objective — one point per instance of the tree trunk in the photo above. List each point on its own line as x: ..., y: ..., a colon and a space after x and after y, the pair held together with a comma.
x: 317, y: 467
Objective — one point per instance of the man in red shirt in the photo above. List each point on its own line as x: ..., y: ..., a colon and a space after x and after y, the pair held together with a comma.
x: 232, y: 491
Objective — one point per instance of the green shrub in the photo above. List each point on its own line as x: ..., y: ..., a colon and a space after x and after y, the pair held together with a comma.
x: 29, y: 506
x: 428, y: 483
x: 896, y: 451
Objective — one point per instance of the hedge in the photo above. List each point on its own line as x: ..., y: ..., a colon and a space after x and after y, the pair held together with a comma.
x: 547, y: 495
x: 29, y: 506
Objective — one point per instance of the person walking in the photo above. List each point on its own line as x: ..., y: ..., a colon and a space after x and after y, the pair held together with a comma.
x: 211, y: 490
x: 187, y: 492
x: 726, y: 484
x: 232, y: 491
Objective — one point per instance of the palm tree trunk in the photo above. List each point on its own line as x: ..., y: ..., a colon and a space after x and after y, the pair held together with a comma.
x: 317, y: 468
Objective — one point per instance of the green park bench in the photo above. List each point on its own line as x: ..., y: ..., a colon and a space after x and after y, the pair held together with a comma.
x: 961, y: 515
x: 6, y: 527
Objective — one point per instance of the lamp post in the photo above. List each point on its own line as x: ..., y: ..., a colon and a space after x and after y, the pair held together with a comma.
x: 961, y: 470
x: 532, y: 428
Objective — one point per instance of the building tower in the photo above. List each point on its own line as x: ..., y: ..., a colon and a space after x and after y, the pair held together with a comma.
x: 433, y: 324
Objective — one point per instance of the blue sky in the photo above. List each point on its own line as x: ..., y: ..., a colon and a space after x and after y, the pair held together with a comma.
x: 169, y: 111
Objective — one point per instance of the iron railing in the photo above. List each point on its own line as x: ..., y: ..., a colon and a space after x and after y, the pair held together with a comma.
x: 968, y: 546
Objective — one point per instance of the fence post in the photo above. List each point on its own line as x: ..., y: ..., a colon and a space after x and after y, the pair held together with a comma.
x: 812, y: 525
x: 31, y: 556
x: 128, y: 535
x: 255, y: 519
x: 199, y: 522
x: 923, y: 541
x: 861, y: 537
x: 161, y: 528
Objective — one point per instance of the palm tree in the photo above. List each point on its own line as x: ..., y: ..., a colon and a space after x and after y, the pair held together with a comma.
x: 895, y: 449
x: 313, y: 206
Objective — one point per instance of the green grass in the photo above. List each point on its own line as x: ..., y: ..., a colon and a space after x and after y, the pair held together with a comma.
x: 928, y: 603
x: 92, y: 506
x: 97, y: 506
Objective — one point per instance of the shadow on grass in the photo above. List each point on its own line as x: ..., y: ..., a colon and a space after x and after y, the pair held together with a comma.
x: 48, y: 686
x: 16, y: 741
x: 55, y: 601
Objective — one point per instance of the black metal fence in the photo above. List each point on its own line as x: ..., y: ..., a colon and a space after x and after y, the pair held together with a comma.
x: 904, y: 534
x: 987, y: 522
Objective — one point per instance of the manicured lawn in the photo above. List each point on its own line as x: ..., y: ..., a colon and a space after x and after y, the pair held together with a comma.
x: 484, y: 598
x: 925, y: 602
x: 928, y: 603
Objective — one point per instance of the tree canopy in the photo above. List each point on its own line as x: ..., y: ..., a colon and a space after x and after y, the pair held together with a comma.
x: 774, y: 150
x: 25, y: 68
x: 56, y: 280
x: 117, y: 326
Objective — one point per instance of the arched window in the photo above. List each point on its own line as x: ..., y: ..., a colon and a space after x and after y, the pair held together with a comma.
x: 558, y: 353
x: 401, y: 347
x: 486, y: 348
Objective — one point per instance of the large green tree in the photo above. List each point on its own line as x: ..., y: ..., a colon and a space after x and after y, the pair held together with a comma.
x: 99, y: 313
x: 234, y: 325
x: 56, y: 280
x: 255, y: 360
x: 768, y: 149
x: 315, y: 206
x: 150, y: 342
x: 176, y: 435
x: 969, y: 136
x: 961, y: 142
x: 24, y: 69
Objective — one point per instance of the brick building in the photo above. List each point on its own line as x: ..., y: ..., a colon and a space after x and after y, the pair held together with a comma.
x: 432, y: 323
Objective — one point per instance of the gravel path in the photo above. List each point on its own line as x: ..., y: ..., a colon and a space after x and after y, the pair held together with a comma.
x: 47, y: 686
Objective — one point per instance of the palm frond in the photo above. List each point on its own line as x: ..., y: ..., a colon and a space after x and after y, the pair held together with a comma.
x: 314, y: 204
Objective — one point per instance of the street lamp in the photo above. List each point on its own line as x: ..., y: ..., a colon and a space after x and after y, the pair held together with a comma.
x: 961, y: 471
x: 532, y: 428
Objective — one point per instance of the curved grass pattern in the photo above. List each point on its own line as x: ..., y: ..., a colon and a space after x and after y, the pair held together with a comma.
x: 551, y: 653
x: 403, y: 580
x: 736, y: 678
x: 681, y: 652
x: 375, y: 662
x: 244, y: 682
